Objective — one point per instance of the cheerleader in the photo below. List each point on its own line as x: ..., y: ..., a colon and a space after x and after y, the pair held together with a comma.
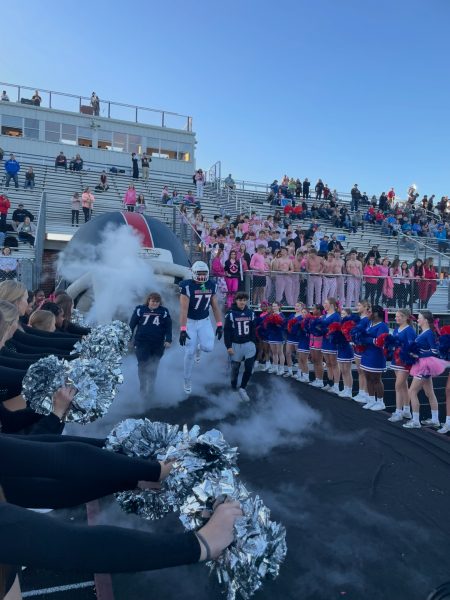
x: 329, y: 349
x: 275, y: 328
x: 427, y: 366
x: 446, y: 426
x: 373, y: 361
x: 363, y: 309
x: 315, y: 349
x: 262, y: 362
x: 405, y: 335
x: 444, y: 352
x: 345, y: 357
x: 303, y: 348
x: 292, y: 340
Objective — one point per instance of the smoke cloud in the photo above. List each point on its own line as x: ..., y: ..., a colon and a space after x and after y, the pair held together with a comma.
x: 121, y: 278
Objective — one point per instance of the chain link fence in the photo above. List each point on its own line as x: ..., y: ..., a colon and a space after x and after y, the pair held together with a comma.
x: 309, y: 288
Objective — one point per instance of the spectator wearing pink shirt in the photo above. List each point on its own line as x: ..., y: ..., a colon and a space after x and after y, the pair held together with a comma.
x: 259, y: 265
x: 129, y: 199
x: 250, y: 243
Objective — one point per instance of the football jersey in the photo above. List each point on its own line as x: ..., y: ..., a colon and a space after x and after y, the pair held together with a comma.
x: 239, y: 326
x: 152, y: 325
x: 200, y: 296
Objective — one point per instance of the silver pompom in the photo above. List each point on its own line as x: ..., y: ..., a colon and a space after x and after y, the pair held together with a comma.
x: 260, y: 544
x: 192, y: 454
x: 42, y: 379
x: 145, y: 439
x: 204, y: 472
x: 94, y: 385
x: 108, y: 343
x: 78, y: 318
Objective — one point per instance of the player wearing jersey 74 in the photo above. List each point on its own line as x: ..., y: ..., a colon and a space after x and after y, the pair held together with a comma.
x: 197, y: 295
x: 153, y: 335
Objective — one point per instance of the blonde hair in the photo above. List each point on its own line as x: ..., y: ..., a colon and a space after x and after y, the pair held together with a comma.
x: 43, y: 320
x: 9, y: 312
x: 12, y: 291
x: 3, y: 326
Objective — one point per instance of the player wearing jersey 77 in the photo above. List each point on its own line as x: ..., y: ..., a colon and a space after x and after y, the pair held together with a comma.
x: 197, y: 295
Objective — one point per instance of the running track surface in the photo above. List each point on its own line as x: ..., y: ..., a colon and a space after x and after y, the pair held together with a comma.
x: 366, y: 505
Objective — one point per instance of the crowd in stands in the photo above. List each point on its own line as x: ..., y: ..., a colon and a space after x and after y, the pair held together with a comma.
x: 22, y: 223
x: 421, y: 218
x: 289, y: 263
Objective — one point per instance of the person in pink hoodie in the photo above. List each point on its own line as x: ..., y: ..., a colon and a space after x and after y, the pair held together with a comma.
x: 129, y: 200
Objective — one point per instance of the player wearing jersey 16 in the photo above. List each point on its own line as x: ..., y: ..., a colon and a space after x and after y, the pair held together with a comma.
x: 153, y: 335
x: 239, y: 337
x: 197, y: 295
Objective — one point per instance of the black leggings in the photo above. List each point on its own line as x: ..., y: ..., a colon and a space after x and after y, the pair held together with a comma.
x: 37, y: 474
x: 54, y: 472
x: 75, y: 216
x: 87, y: 213
x: 371, y: 290
x: 248, y: 368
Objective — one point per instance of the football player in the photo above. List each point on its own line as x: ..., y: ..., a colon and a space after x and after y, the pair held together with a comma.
x: 153, y: 335
x: 239, y: 338
x: 197, y: 295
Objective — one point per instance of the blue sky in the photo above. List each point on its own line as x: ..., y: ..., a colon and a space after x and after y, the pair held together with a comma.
x: 352, y: 91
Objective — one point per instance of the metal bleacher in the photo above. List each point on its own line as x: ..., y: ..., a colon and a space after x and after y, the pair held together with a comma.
x: 60, y: 185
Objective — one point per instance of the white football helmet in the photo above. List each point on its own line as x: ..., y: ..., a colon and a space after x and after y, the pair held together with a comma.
x: 200, y: 272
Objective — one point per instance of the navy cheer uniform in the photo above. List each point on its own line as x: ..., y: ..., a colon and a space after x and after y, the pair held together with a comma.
x: 361, y: 326
x: 344, y: 350
x: 373, y: 359
x: 327, y: 345
x: 292, y: 336
x: 275, y: 333
x: 406, y: 336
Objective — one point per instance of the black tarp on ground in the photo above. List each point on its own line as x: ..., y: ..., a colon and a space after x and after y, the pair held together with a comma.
x: 366, y: 503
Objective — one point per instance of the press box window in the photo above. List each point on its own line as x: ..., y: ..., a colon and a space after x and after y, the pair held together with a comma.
x: 31, y: 129
x: 134, y: 143
x: 104, y: 140
x: 52, y: 131
x: 119, y: 141
x: 168, y: 149
x: 152, y: 146
x: 12, y: 126
x: 184, y: 151
x: 85, y: 137
x: 69, y: 134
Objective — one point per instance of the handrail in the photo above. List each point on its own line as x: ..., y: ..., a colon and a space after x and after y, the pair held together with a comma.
x: 49, y: 161
x: 193, y: 230
x: 109, y: 103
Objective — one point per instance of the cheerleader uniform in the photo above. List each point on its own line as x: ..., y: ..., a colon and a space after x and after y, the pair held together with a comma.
x: 292, y: 336
x: 345, y: 351
x: 327, y: 345
x: 261, y: 331
x: 315, y: 341
x: 405, y: 337
x: 302, y: 339
x: 362, y: 326
x: 275, y: 333
x: 428, y: 364
x: 373, y: 359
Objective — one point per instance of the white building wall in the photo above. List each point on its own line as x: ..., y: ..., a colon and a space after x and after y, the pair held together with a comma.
x: 176, y: 141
